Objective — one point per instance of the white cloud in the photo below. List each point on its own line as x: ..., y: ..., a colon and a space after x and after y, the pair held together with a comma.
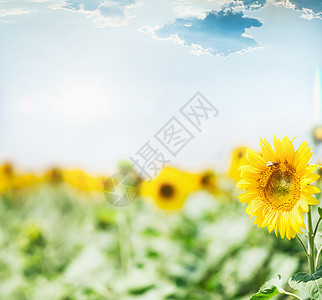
x: 209, y: 34
x: 13, y: 12
x: 106, y: 13
x: 28, y: 1
x: 309, y: 9
x: 189, y: 8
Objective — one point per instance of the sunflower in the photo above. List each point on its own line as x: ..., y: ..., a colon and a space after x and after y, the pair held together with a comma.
x: 25, y: 180
x: 83, y: 181
x: 278, y: 184
x: 205, y: 180
x: 54, y: 176
x: 208, y: 181
x: 238, y: 158
x: 317, y: 134
x: 169, y: 190
x: 6, y: 177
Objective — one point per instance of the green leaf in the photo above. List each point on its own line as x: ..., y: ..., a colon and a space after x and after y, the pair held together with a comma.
x: 266, y: 293
x: 320, y: 211
x: 140, y: 290
x: 269, y: 289
x: 310, y: 285
x: 318, y: 240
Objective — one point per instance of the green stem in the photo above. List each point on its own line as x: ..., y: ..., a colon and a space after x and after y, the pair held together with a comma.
x: 290, y: 294
x: 304, y: 248
x: 311, y: 248
x: 125, y: 255
x: 317, y: 226
x: 317, y: 258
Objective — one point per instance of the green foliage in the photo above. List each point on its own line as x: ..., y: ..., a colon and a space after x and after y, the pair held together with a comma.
x: 320, y: 211
x: 105, y: 218
x: 269, y: 289
x: 59, y: 244
x: 318, y: 240
x: 266, y: 293
x: 32, y: 238
x: 140, y: 289
x: 310, y: 285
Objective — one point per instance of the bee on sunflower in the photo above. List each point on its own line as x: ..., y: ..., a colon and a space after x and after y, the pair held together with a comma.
x: 278, y: 185
x: 169, y: 190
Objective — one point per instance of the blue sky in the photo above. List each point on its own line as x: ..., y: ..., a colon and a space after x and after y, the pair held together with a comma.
x: 218, y: 33
x: 89, y: 82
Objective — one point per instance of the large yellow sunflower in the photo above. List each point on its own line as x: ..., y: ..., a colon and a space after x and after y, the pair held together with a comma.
x: 278, y: 184
x: 169, y: 190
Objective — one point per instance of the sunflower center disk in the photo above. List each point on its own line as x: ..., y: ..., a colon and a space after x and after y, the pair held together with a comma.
x: 281, y: 187
x: 166, y: 190
x: 205, y: 180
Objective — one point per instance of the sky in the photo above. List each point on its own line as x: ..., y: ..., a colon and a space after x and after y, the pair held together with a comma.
x: 89, y: 82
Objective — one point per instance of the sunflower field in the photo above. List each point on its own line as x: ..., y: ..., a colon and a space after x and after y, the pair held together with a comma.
x: 185, y: 235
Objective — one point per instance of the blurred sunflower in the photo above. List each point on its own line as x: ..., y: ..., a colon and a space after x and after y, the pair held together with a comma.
x: 25, y: 180
x: 169, y: 190
x: 238, y: 159
x: 54, y: 176
x: 208, y: 181
x: 6, y: 177
x: 75, y: 178
x: 83, y: 181
x: 7, y: 169
x: 11, y: 180
x: 205, y: 180
x: 278, y: 185
x: 317, y: 134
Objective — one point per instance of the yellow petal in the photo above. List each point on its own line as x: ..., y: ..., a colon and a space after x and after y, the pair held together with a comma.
x: 255, y: 159
x: 311, y: 189
x: 288, y: 150
x: 247, y: 197
x: 309, y: 179
x: 310, y: 199
x: 268, y: 153
x: 279, y: 150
